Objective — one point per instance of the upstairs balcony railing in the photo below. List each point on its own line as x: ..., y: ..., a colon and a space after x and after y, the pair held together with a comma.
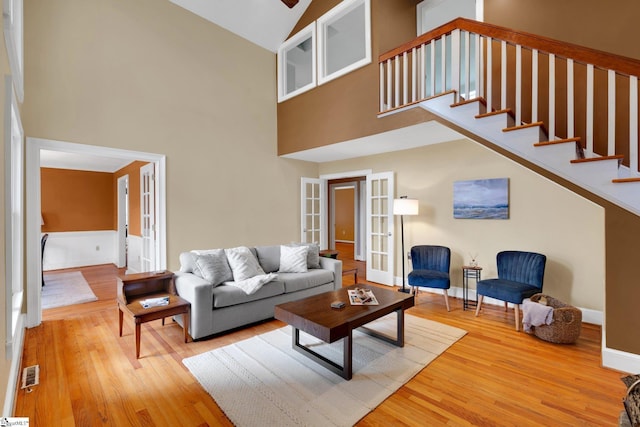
x: 577, y: 92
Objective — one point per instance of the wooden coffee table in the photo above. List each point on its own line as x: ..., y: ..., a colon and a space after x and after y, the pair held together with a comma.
x: 315, y: 316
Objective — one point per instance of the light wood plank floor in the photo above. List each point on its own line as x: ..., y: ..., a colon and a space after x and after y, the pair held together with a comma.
x: 493, y: 376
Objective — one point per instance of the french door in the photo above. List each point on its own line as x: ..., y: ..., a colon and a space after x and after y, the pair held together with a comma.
x: 313, y: 209
x: 148, y: 217
x: 380, y: 228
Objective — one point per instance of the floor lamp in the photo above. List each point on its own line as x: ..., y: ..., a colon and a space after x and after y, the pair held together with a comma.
x: 404, y: 206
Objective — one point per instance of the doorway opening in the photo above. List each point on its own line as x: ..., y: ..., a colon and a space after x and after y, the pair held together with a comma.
x: 347, y: 230
x: 33, y: 209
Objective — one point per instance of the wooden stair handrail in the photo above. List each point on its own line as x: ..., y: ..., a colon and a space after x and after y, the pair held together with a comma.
x: 581, y: 54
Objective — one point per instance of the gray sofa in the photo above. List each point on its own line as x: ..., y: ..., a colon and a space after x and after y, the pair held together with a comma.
x: 219, y: 308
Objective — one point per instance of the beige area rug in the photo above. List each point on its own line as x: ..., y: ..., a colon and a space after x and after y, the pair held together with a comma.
x: 262, y: 381
x: 66, y: 289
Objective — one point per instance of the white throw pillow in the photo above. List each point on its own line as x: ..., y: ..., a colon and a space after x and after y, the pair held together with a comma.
x: 243, y: 263
x: 313, y: 257
x: 293, y: 259
x: 213, y: 267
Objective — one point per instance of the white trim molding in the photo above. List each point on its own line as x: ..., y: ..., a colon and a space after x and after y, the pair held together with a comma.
x: 620, y: 360
x: 14, y: 370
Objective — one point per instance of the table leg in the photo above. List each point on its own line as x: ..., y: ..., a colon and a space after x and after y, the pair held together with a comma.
x: 344, y: 371
x: 138, y: 325
x: 185, y: 323
x: 120, y: 315
x: 399, y: 339
x: 347, y: 370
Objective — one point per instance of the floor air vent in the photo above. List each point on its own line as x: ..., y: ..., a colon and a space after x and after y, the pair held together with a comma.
x: 30, y: 376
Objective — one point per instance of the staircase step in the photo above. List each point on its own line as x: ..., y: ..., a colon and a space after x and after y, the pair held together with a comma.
x: 526, y: 125
x: 598, y: 159
x: 556, y: 141
x: 623, y: 180
x: 469, y: 101
x: 495, y: 113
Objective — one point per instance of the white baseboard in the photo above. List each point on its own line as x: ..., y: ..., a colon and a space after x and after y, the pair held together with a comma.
x: 588, y: 315
x: 80, y: 248
x: 14, y: 371
x: 620, y: 360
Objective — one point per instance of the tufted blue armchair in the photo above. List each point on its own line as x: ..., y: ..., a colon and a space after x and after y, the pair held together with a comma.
x: 431, y: 268
x: 520, y: 276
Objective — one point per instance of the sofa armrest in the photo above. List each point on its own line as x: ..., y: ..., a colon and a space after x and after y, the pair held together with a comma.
x: 199, y: 293
x: 335, y: 266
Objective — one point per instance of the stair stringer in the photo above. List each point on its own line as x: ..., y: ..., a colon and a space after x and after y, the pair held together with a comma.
x: 595, y: 177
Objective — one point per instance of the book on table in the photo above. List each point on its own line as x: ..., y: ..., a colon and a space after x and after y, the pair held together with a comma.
x: 359, y: 296
x: 154, y: 302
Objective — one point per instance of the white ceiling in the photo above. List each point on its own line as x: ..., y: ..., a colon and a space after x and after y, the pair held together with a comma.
x: 84, y: 162
x: 419, y: 135
x: 266, y: 23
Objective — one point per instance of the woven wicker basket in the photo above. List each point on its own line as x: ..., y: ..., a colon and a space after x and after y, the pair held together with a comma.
x: 566, y: 325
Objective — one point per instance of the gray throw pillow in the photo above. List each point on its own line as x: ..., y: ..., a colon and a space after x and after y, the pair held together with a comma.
x: 213, y: 267
x: 269, y: 258
x: 188, y: 262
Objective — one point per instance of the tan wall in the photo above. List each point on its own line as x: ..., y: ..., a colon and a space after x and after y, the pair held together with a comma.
x: 150, y: 76
x: 542, y: 216
x: 133, y: 170
x: 74, y: 200
x: 5, y: 363
x: 345, y: 214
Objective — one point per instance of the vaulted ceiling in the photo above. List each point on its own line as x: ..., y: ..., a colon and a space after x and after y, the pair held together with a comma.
x: 266, y: 23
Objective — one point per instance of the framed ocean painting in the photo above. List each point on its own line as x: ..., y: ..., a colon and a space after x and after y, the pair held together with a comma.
x: 481, y: 199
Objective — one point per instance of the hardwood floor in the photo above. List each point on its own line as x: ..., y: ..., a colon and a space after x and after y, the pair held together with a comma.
x: 492, y: 376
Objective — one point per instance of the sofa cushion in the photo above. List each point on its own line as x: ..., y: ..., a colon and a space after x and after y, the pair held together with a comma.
x: 226, y: 295
x: 293, y: 259
x: 298, y: 281
x: 269, y: 257
x: 313, y: 256
x: 243, y: 263
x: 213, y: 267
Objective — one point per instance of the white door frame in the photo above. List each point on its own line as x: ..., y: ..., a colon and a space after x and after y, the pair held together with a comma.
x: 356, y: 210
x: 360, y: 248
x: 33, y: 199
x: 123, y: 220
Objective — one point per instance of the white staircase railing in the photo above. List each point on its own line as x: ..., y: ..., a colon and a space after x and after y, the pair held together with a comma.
x: 576, y: 92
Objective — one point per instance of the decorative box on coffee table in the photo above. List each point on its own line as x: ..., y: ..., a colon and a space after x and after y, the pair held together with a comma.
x: 134, y: 288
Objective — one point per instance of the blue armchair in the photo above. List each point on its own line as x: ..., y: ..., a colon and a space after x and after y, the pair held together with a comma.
x: 520, y: 276
x: 431, y: 268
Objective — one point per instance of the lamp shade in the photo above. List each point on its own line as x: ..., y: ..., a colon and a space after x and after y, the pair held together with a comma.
x: 405, y: 206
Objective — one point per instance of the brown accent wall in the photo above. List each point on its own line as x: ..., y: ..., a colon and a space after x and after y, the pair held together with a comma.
x: 347, y: 107
x: 75, y: 200
x: 133, y: 170
x: 608, y: 26
x: 345, y: 214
